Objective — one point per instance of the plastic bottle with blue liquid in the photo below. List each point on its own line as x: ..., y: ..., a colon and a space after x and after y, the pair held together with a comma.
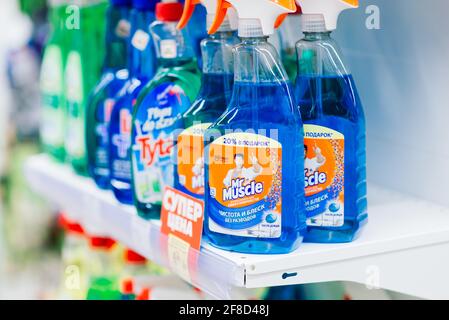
x: 142, y: 67
x: 334, y: 128
x: 159, y: 108
x: 215, y: 94
x: 102, y: 99
x: 254, y: 181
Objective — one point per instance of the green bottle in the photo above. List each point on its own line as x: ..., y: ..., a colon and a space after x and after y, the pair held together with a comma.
x: 158, y: 112
x: 52, y: 86
x: 102, y: 271
x: 82, y: 72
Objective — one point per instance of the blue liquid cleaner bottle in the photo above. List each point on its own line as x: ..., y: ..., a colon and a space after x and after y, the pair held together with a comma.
x: 142, y: 67
x: 334, y: 129
x: 215, y: 93
x: 101, y: 101
x: 254, y: 181
x: 159, y: 108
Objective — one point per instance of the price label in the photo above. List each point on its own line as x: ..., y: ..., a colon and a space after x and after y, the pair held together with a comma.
x: 182, y: 221
x: 178, y: 257
x: 140, y: 40
x: 169, y: 49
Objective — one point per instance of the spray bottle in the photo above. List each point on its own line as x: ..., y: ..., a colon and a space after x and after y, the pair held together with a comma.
x: 334, y: 146
x: 214, y: 96
x: 254, y: 181
x: 102, y: 99
x: 159, y: 108
x: 52, y: 84
x: 142, y: 67
x: 82, y: 72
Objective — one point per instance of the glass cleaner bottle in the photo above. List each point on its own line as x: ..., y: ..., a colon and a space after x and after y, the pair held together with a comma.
x: 334, y: 125
x: 159, y: 108
x: 142, y: 67
x: 102, y: 99
x: 215, y: 94
x: 254, y: 181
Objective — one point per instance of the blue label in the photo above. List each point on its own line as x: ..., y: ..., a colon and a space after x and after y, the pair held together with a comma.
x: 103, y: 117
x: 154, y: 124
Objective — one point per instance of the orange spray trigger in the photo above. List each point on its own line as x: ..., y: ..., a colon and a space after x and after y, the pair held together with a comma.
x: 189, y: 8
x: 220, y: 15
x: 280, y: 20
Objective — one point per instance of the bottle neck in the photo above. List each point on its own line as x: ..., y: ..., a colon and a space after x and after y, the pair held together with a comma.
x: 218, y: 65
x: 217, y: 52
x: 317, y: 36
x: 319, y: 55
x: 257, y: 61
x: 260, y: 77
x: 173, y: 46
x: 117, y: 34
x: 254, y: 41
x: 141, y: 60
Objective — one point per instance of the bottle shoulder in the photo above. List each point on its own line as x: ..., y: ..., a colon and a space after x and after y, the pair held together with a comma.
x: 185, y: 79
x: 333, y: 97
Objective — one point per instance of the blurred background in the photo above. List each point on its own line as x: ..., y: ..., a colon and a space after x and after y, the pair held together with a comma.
x: 37, y: 245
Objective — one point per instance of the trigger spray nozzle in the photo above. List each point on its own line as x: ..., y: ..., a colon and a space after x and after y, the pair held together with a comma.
x: 322, y: 15
x: 256, y: 17
x: 229, y: 20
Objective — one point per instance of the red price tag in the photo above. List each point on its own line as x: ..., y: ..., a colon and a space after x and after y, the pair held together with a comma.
x: 182, y: 216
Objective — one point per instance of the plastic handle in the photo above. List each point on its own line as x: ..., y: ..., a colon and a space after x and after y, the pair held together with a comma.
x: 290, y: 5
x: 222, y: 10
x: 189, y: 8
x: 280, y: 20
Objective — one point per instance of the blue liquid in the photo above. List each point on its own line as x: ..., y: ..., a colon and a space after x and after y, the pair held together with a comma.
x: 142, y: 66
x: 267, y: 106
x: 97, y: 128
x: 212, y: 100
x: 120, y: 143
x: 333, y: 102
x: 101, y: 101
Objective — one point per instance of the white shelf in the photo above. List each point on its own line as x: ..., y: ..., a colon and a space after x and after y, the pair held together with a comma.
x: 404, y: 247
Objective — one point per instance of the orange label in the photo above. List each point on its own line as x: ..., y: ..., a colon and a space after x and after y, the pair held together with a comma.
x: 324, y: 176
x: 191, y: 160
x: 245, y: 175
x: 182, y: 216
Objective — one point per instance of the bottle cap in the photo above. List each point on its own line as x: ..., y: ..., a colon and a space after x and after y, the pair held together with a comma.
x: 127, y: 286
x: 144, y: 295
x: 133, y: 257
x: 322, y: 15
x: 256, y: 17
x: 169, y: 11
x: 101, y: 243
x: 70, y: 226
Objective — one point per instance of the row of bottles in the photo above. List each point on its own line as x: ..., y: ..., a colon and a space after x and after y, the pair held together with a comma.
x: 71, y: 67
x: 275, y: 162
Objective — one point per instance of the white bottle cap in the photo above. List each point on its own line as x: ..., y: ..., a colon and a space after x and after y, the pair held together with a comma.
x: 327, y: 11
x: 313, y: 23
